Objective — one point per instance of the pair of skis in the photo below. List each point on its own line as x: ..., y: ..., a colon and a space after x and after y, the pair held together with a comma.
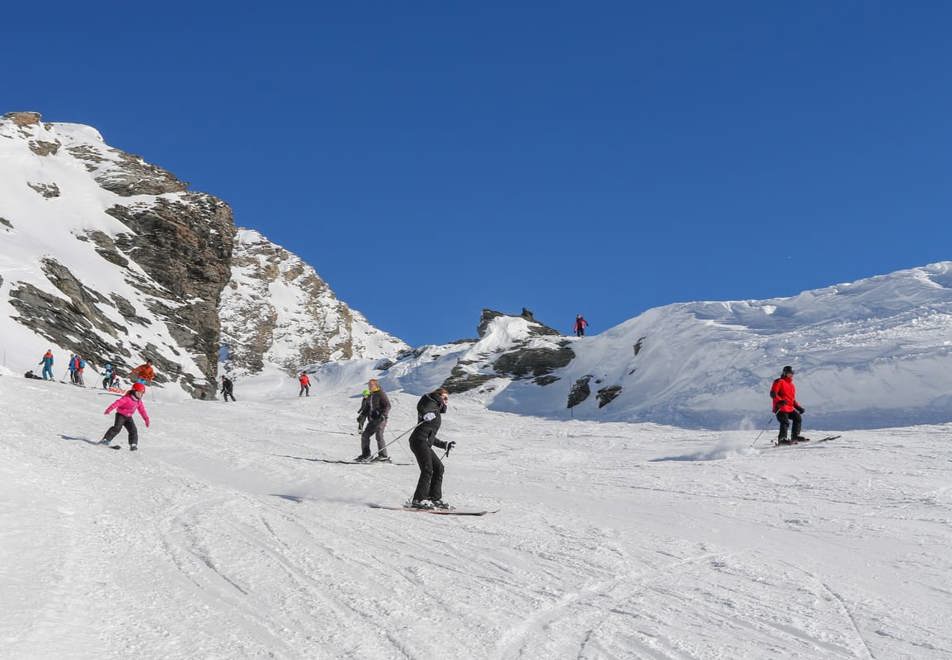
x: 801, y: 442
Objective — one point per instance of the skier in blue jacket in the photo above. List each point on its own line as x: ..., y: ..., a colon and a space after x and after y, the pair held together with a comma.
x: 47, y: 363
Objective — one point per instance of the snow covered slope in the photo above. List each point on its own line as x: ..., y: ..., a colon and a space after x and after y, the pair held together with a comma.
x: 277, y: 311
x: 872, y: 353
x: 224, y: 538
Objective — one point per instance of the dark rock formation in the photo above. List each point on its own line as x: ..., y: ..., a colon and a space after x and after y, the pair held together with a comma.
x: 607, y: 394
x: 537, y: 362
x: 134, y: 176
x: 580, y: 391
x: 48, y: 190
x: 185, y: 246
x: 44, y: 148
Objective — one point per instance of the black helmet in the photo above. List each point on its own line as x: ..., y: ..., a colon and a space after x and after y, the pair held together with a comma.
x: 787, y: 370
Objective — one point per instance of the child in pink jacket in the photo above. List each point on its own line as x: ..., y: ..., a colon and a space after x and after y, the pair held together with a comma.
x: 125, y: 407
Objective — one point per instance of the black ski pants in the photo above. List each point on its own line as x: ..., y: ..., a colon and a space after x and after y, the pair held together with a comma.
x: 306, y: 390
x: 226, y: 394
x: 785, y: 419
x: 122, y: 420
x: 430, y: 484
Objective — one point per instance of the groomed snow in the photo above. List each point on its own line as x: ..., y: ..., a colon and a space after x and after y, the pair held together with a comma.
x: 222, y: 538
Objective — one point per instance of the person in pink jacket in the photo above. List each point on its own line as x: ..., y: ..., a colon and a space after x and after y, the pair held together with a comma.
x: 125, y: 407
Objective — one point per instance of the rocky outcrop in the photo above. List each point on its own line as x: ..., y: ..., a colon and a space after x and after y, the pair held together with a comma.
x: 48, y: 190
x: 521, y: 348
x: 133, y: 176
x: 607, y: 394
x: 184, y: 244
x: 277, y: 310
x: 580, y: 391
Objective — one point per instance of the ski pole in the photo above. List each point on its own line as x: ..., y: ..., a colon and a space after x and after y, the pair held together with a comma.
x: 326, y: 431
x: 769, y: 421
x: 395, y: 439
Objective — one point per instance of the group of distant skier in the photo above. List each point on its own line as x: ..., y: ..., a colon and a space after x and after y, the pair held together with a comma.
x: 373, y: 414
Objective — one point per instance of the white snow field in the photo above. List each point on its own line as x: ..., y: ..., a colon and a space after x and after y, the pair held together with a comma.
x: 222, y: 538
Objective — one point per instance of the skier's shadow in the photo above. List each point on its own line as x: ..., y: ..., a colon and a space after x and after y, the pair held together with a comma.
x: 81, y: 439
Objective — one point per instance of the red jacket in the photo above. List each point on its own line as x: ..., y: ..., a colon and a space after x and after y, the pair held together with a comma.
x: 580, y: 323
x: 305, y: 381
x: 784, y: 395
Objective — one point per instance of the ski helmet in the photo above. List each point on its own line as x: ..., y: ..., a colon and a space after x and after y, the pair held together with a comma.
x: 138, y: 387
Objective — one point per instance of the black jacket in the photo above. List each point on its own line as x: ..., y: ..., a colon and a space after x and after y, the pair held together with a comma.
x: 378, y: 405
x: 426, y: 431
x: 227, y: 385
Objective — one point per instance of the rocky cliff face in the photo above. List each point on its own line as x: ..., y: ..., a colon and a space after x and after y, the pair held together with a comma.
x: 108, y: 256
x: 277, y: 311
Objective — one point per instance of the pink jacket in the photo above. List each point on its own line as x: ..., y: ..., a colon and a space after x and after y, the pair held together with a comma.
x: 128, y: 405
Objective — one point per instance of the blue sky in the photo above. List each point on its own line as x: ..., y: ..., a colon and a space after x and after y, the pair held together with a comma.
x: 434, y: 158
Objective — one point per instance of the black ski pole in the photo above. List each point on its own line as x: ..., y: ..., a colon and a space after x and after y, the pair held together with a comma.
x: 769, y: 421
x: 395, y: 439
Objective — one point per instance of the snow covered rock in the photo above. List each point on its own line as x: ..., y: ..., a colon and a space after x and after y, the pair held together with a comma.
x: 276, y: 310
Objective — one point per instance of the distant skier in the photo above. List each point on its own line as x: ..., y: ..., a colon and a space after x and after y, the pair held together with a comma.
x: 580, y: 325
x: 227, y: 388
x: 429, y: 490
x: 362, y: 412
x: 144, y: 373
x: 377, y: 409
x: 30, y: 374
x: 72, y: 365
x: 107, y: 375
x: 305, y: 384
x: 47, y: 362
x: 78, y: 373
x: 125, y: 407
x: 783, y: 393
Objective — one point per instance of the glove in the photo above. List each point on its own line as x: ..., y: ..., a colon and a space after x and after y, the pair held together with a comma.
x: 429, y: 417
x: 801, y: 409
x: 450, y: 445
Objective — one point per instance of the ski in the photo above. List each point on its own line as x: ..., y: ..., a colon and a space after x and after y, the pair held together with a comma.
x: 439, y: 512
x: 337, y: 462
x: 800, y: 442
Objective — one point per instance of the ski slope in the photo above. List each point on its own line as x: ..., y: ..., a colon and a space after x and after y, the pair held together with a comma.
x: 222, y: 538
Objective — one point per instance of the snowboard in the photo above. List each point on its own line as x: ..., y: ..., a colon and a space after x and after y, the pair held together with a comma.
x: 439, y: 512
x: 826, y: 439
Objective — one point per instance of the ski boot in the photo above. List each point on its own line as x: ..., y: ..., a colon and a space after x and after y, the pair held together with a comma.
x: 420, y: 504
x: 440, y: 504
x: 362, y: 459
x: 381, y: 459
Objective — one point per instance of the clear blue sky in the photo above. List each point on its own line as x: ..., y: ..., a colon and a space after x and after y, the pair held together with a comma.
x: 431, y: 158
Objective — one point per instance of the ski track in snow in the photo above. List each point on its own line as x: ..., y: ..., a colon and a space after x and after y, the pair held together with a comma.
x: 612, y: 540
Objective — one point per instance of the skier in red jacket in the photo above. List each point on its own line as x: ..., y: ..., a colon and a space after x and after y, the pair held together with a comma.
x: 783, y: 393
x: 580, y: 325
x: 305, y: 384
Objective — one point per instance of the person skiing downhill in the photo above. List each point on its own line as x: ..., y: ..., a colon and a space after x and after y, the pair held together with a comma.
x: 377, y: 408
x: 227, y: 388
x: 362, y: 412
x: 72, y: 365
x: 580, y: 325
x: 783, y: 394
x: 305, y: 384
x: 429, y: 490
x: 125, y: 407
x: 107, y: 375
x: 47, y: 362
x: 144, y: 373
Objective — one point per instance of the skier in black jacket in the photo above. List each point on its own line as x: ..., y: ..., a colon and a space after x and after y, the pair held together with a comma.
x: 429, y: 490
x: 377, y: 408
x: 227, y: 388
